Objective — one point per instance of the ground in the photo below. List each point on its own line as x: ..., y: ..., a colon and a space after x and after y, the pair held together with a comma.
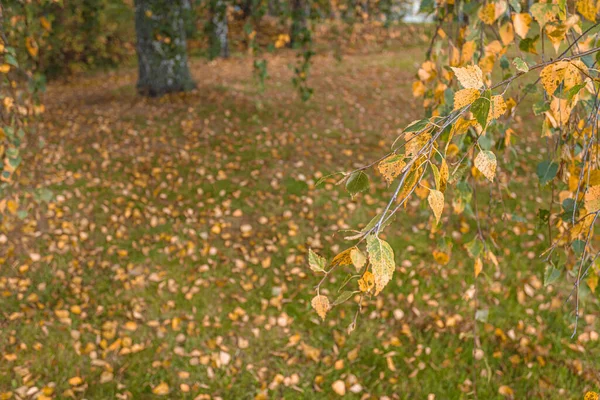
x: 160, y: 251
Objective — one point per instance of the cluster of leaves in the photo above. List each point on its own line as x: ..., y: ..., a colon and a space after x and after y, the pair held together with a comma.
x: 472, y: 84
x: 71, y: 36
x: 19, y: 87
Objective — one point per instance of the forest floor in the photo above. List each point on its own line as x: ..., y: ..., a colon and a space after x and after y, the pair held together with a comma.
x: 160, y: 250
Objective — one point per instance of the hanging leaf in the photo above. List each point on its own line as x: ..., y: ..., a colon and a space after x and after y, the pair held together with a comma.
x: 436, y: 202
x: 344, y: 258
x: 367, y: 282
x: 470, y: 77
x: 478, y: 266
x: 592, y: 282
x: 316, y: 262
x: 465, y: 97
x: 551, y: 274
x: 587, y: 9
x: 358, y: 258
x: 357, y: 182
x: 497, y: 107
x: 321, y: 304
x: 487, y: 13
x: 381, y: 257
x: 520, y: 65
x: 391, y: 167
x: 521, y: 22
x: 592, y: 199
x: 481, y: 109
x: 485, y: 162
x: 343, y: 297
x: 546, y: 171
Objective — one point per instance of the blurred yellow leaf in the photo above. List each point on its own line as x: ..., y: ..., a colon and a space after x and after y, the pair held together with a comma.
x: 321, y: 304
x: 436, y: 202
x: 522, y: 23
x: 478, y: 267
x: 161, y: 389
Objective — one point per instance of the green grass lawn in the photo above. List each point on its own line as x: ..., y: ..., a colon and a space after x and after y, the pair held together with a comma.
x: 171, y: 260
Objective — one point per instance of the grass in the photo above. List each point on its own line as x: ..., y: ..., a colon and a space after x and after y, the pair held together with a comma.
x: 149, y: 224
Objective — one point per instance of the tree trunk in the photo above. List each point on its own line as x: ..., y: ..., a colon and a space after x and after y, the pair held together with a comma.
x: 219, y: 45
x: 161, y: 47
x: 298, y: 23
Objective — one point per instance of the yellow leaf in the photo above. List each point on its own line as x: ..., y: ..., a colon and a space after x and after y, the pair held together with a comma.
x: 467, y: 51
x: 131, y: 326
x: 343, y: 258
x: 556, y: 34
x: 436, y: 202
x: 358, y: 258
x: 592, y: 199
x: 507, y: 33
x: 591, y: 396
x: 592, y: 282
x: 560, y: 110
x: 441, y: 257
x: 366, y: 282
x: 45, y: 23
x: 497, y: 108
x: 161, y: 389
x: 381, y: 257
x: 418, y: 89
x: 321, y: 305
x: 587, y: 9
x: 12, y: 206
x: 465, y: 97
x: 75, y: 381
x: 505, y: 391
x: 569, y: 72
x: 391, y: 167
x: 444, y: 175
x: 32, y: 46
x: 521, y: 23
x: 470, y: 77
x: 4, y: 68
x: 485, y: 162
x: 487, y: 13
x: 462, y: 125
x: 478, y: 266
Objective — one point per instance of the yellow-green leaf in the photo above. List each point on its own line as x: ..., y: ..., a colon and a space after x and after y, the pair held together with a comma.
x: 485, y: 162
x: 381, y: 257
x: 436, y: 202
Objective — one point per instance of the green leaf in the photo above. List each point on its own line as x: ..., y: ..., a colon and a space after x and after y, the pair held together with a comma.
x: 546, y: 171
x: 520, y: 65
x: 541, y: 107
x: 551, y: 274
x: 481, y: 108
x: 578, y: 247
x: 516, y: 5
x: 528, y: 45
x: 474, y: 247
x: 316, y: 262
x: 417, y: 126
x: 344, y: 296
x: 381, y: 257
x: 357, y: 182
